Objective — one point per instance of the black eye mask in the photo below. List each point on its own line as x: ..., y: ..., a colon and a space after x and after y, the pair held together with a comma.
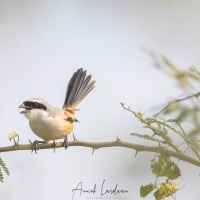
x: 29, y: 105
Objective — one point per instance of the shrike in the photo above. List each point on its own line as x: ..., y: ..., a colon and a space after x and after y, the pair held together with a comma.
x: 51, y: 123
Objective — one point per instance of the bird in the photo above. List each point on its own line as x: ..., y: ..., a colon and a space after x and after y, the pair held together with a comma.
x: 52, y: 123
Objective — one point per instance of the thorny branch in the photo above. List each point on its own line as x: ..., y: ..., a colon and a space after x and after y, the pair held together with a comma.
x: 98, y: 145
x: 177, y: 101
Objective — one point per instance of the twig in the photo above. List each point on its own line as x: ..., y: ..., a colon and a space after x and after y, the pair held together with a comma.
x: 177, y: 101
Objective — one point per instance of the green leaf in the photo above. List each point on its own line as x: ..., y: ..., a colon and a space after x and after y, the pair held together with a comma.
x: 3, y: 166
x: 145, y: 190
x: 165, y: 190
x: 1, y: 176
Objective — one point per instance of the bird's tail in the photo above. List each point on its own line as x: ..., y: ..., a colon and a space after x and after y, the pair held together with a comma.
x: 78, y: 88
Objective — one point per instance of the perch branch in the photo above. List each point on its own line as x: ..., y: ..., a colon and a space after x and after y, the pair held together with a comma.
x: 98, y: 145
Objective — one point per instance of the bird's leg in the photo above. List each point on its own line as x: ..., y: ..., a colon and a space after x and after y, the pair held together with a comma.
x: 34, y: 145
x: 65, y: 142
x: 55, y: 145
x: 74, y: 137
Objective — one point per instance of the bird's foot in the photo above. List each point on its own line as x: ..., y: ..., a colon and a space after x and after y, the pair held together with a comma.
x: 65, y: 143
x: 34, y: 145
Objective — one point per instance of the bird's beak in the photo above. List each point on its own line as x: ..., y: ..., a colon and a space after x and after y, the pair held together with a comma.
x: 22, y: 106
x: 23, y: 111
x: 76, y: 120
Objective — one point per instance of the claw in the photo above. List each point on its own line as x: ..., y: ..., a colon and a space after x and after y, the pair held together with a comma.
x: 65, y: 142
x: 34, y: 145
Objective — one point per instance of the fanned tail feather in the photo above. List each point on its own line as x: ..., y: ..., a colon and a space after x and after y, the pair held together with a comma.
x: 78, y: 88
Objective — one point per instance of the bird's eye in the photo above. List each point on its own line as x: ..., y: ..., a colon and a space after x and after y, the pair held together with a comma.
x: 35, y: 103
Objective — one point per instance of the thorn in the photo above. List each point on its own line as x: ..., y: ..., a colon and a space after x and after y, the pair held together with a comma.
x: 118, y: 140
x: 93, y: 149
x: 136, y: 153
